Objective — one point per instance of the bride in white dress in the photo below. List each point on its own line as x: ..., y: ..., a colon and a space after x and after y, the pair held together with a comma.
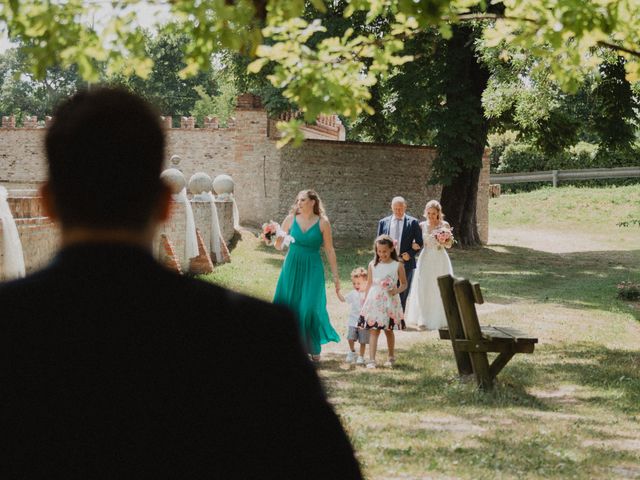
x: 424, y: 306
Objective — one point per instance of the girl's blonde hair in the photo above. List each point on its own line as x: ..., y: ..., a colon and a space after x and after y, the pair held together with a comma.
x: 359, y: 272
x: 318, y: 207
x: 384, y: 240
x: 434, y: 204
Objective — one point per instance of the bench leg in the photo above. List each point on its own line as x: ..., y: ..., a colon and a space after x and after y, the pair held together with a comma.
x: 463, y: 362
x: 482, y: 370
x: 499, y: 363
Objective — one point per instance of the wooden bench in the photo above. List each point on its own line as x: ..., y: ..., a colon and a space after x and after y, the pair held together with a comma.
x: 470, y: 341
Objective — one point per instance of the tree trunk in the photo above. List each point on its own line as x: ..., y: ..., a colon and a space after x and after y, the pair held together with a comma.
x: 459, y: 200
x: 462, y: 146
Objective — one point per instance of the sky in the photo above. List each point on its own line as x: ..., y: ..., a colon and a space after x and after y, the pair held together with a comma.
x: 147, y: 15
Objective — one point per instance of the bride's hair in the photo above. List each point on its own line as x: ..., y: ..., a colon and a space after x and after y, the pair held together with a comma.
x: 434, y: 204
x: 384, y: 240
x: 318, y: 207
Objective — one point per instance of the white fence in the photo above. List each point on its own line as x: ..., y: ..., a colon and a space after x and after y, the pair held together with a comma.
x: 556, y: 176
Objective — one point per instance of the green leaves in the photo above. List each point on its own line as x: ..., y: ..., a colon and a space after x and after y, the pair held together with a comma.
x: 324, y: 73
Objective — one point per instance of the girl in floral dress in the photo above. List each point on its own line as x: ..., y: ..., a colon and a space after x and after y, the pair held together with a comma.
x: 382, y: 309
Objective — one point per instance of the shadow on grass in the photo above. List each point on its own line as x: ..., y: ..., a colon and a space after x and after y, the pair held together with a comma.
x: 611, y: 377
x: 425, y: 375
x: 577, y: 280
x: 532, y: 453
x: 507, y: 274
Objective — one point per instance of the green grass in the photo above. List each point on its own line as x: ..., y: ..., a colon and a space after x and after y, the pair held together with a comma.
x: 589, y: 209
x: 569, y: 410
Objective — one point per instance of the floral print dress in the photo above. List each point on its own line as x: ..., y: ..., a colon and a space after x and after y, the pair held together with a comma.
x: 381, y: 310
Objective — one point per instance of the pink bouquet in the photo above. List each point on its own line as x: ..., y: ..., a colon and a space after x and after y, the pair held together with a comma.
x: 444, y: 237
x: 387, y: 283
x: 272, y: 231
x: 269, y: 231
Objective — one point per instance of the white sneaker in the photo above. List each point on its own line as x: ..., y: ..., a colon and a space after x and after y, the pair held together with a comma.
x: 351, y: 357
x: 371, y: 364
x: 360, y: 360
x: 389, y: 363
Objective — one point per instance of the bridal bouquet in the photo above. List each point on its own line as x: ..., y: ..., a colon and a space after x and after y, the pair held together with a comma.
x: 271, y: 231
x: 444, y: 237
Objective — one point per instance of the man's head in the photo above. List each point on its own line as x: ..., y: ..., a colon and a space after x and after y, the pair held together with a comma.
x: 105, y: 150
x: 398, y: 206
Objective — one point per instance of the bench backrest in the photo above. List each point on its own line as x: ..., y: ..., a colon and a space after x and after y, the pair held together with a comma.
x: 445, y: 284
x: 467, y: 295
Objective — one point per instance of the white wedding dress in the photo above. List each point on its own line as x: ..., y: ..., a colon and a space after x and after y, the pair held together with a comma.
x: 424, y: 304
x: 13, y: 256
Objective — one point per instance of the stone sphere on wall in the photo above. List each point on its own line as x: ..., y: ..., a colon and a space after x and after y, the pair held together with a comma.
x: 200, y: 183
x: 223, y: 185
x: 174, y: 178
x: 175, y: 160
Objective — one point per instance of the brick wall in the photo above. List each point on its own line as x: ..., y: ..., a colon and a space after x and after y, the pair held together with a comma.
x: 243, y: 151
x: 175, y: 228
x: 356, y: 180
x: 38, y: 235
x: 482, y: 208
x: 22, y: 156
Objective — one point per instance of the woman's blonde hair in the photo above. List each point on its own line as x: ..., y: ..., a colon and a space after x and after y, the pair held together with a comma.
x: 318, y: 207
x: 434, y: 204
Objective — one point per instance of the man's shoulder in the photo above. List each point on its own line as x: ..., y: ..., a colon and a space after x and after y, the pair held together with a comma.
x: 217, y: 297
x: 14, y: 290
x: 412, y: 220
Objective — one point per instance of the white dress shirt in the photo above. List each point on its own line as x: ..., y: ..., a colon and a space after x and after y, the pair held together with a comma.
x: 396, y: 234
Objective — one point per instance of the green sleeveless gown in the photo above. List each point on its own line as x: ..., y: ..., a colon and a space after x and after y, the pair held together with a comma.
x: 301, y: 288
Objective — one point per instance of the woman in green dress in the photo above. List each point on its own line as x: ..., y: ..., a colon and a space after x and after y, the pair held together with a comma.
x: 301, y: 284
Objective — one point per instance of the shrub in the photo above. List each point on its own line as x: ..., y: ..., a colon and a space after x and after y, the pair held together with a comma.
x: 498, y: 142
x: 521, y: 157
x: 629, y: 291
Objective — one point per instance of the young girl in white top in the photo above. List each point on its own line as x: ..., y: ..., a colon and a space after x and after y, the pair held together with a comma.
x: 382, y: 309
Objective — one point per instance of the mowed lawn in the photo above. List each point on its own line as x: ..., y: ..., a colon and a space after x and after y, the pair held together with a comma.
x: 569, y: 410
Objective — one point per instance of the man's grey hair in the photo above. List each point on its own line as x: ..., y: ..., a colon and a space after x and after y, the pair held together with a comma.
x: 398, y: 199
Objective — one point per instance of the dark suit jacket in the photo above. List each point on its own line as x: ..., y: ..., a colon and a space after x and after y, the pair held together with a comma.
x: 410, y: 232
x: 113, y: 366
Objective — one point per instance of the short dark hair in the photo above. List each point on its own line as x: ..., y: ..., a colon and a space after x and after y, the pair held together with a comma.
x: 105, y: 150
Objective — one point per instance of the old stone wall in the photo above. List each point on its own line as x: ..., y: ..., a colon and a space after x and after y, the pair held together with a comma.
x: 22, y: 157
x: 245, y: 152
x: 175, y: 227
x: 357, y: 181
x: 40, y: 237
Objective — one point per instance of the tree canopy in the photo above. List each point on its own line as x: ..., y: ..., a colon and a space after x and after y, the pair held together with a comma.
x: 359, y: 58
x: 338, y: 73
